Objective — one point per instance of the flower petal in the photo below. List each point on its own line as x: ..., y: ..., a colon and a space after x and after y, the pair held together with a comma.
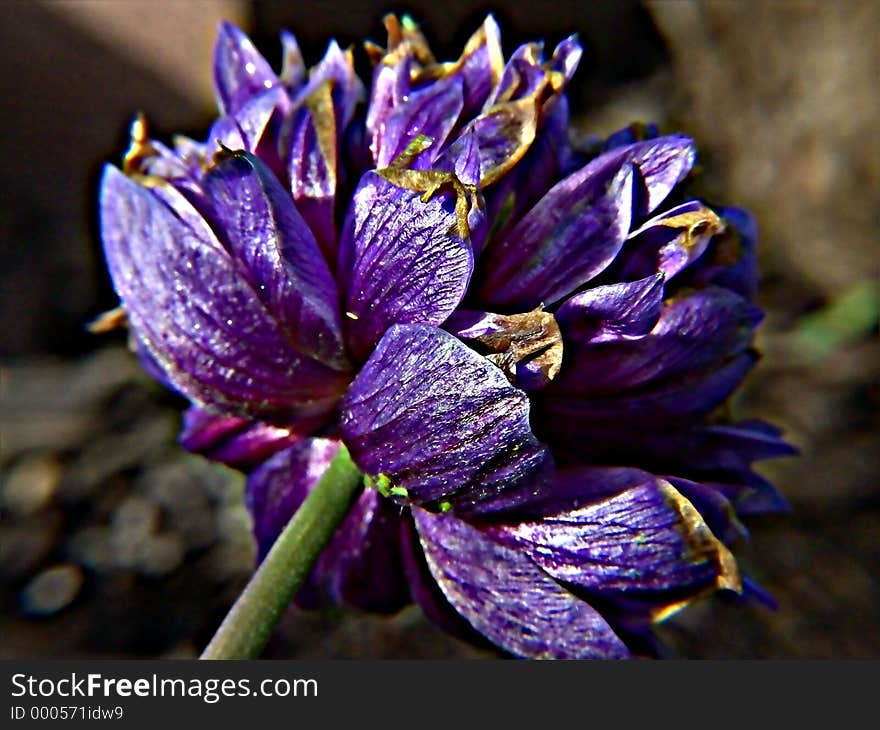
x: 605, y: 421
x: 479, y: 67
x: 240, y: 71
x: 281, y: 258
x: 431, y: 111
x: 337, y: 68
x: 571, y: 235
x: 646, y: 539
x: 293, y: 71
x: 402, y: 259
x: 612, y: 311
x: 361, y: 565
x: 662, y: 163
x: 313, y: 166
x: 670, y: 242
x: 715, y: 507
x: 703, y: 329
x: 731, y: 259
x: 427, y: 594
x: 584, y: 219
x: 522, y: 76
x: 527, y: 347
x: 442, y: 423
x: 250, y: 127
x: 238, y: 442
x: 196, y: 312
x: 508, y: 598
x: 503, y: 134
x: 548, y: 159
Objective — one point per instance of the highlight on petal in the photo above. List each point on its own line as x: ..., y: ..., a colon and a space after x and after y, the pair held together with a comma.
x: 479, y: 68
x: 402, y: 258
x: 197, y: 313
x: 361, y: 566
x: 337, y: 69
x: 647, y: 540
x: 278, y: 254
x: 313, y: 165
x: 508, y: 598
x: 240, y: 71
x: 442, y: 424
x: 239, y: 442
x: 662, y: 163
x: 571, y: 235
x: 730, y: 260
x: 599, y: 426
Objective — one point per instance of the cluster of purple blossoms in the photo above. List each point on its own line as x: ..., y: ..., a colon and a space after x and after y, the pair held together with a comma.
x: 525, y: 345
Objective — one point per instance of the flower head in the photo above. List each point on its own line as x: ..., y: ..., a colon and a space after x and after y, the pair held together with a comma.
x: 526, y: 346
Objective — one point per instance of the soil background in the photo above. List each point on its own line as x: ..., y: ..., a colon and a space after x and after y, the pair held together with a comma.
x: 115, y: 544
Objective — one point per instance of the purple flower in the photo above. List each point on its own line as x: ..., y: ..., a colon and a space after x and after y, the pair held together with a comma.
x: 526, y: 350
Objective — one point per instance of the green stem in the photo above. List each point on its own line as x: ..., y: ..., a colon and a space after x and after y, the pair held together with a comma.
x: 251, y: 621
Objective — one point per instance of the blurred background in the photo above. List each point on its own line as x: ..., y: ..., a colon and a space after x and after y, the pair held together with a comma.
x: 114, y: 543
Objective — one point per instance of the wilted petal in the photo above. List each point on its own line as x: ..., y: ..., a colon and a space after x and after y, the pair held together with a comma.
x: 646, y: 539
x: 526, y: 72
x: 504, y: 135
x: 239, y: 442
x: 313, y: 166
x: 548, y: 159
x: 631, y: 424
x: 731, y: 259
x: 508, y: 598
x: 402, y: 259
x: 280, y: 256
x: 196, y: 312
x: 240, y: 71
x: 442, y: 423
x: 612, y: 311
x: 361, y: 565
x: 479, y: 68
